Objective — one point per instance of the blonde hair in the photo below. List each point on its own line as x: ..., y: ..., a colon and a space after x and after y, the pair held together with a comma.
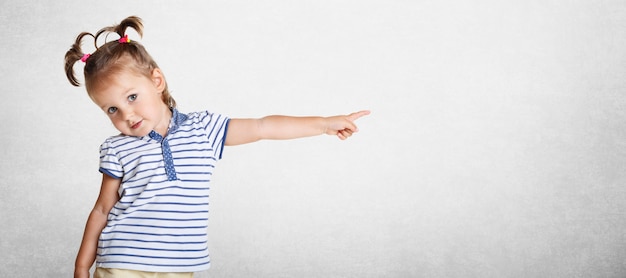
x: 113, y: 57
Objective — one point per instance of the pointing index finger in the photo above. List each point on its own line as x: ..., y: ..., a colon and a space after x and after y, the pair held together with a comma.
x: 354, y: 116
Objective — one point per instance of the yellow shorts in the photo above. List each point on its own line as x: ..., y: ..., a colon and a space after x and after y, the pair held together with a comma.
x: 125, y: 273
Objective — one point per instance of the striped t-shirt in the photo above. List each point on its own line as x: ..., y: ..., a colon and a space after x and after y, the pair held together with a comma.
x: 160, y: 222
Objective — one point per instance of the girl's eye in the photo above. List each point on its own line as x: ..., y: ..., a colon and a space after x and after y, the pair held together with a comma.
x: 132, y: 97
x: 112, y: 110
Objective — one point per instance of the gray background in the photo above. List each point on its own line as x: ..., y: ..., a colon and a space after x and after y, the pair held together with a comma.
x: 495, y: 147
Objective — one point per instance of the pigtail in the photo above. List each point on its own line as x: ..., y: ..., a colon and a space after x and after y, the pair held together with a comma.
x: 74, y: 55
x: 132, y: 22
x: 120, y: 29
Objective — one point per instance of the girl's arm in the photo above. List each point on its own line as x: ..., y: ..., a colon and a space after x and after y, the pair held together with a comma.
x: 242, y: 131
x: 96, y: 222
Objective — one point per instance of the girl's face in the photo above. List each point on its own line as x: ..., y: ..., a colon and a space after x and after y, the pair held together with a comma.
x: 133, y: 102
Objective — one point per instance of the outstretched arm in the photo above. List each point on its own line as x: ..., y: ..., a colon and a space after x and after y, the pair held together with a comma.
x: 96, y: 222
x: 242, y: 131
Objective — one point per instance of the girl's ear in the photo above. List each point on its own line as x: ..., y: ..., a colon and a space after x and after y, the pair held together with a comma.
x: 158, y: 79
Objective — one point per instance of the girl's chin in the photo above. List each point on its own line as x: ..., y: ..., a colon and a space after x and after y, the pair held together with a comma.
x: 135, y: 133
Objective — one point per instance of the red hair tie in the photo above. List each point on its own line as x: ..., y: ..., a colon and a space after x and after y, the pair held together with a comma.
x: 124, y: 39
x: 85, y: 57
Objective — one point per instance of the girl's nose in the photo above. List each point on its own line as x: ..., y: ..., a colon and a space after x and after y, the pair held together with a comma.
x: 127, y: 115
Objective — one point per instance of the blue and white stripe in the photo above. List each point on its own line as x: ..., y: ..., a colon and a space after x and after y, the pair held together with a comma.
x: 160, y: 222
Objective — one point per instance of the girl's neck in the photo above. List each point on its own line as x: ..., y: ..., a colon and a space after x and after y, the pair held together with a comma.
x: 166, y: 118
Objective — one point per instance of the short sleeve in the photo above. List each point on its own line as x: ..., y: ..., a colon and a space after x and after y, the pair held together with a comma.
x: 216, y: 126
x: 109, y: 161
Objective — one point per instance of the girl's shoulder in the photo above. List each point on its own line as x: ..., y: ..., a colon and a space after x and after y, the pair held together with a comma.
x: 204, y: 117
x: 119, y: 140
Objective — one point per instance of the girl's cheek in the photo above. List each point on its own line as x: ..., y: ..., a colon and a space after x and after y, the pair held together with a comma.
x: 114, y: 119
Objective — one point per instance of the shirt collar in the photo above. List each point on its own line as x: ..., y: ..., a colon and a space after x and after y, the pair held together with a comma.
x: 175, y: 122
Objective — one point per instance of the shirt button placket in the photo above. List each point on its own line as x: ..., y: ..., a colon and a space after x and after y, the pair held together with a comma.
x: 169, y: 160
x: 167, y: 155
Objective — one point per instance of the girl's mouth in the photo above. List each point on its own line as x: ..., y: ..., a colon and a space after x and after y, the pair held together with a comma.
x: 137, y: 125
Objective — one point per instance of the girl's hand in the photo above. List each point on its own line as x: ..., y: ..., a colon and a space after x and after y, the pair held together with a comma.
x: 343, y: 126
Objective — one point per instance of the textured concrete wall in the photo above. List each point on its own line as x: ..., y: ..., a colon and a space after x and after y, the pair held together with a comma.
x: 495, y: 147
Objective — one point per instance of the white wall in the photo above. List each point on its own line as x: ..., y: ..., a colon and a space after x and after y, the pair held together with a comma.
x: 495, y: 147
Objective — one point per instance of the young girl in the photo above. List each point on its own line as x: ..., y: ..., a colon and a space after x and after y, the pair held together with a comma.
x: 151, y: 215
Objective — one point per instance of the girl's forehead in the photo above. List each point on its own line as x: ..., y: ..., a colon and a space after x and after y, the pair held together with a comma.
x: 115, y: 85
x: 116, y: 76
